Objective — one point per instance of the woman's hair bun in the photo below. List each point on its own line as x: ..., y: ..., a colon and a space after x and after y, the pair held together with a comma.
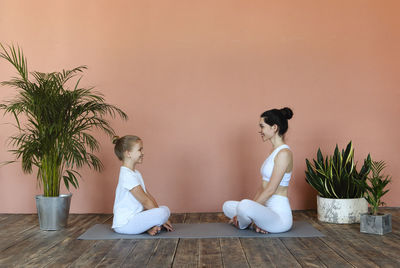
x: 287, y: 112
x: 115, y: 139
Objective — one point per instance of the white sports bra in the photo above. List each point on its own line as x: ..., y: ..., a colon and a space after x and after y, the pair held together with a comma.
x: 268, y: 166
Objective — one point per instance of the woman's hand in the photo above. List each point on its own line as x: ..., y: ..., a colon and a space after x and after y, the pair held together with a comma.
x: 168, y: 226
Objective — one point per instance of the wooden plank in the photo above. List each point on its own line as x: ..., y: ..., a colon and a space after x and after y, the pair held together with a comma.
x: 264, y: 252
x: 197, y: 251
x: 389, y: 241
x: 395, y: 221
x: 305, y: 256
x: 118, y: 253
x: 56, y: 256
x: 372, y: 253
x: 187, y: 253
x: 371, y: 245
x: 93, y: 255
x: 278, y: 253
x: 340, y: 240
x: 17, y: 238
x: 44, y: 253
x: 64, y: 253
x: 255, y: 252
x: 15, y: 224
x: 141, y: 253
x: 394, y: 211
x: 232, y: 253
x: 192, y: 218
x: 327, y: 255
x: 109, y: 220
x: 210, y: 253
x: 177, y: 218
x: 213, y: 217
x: 4, y: 216
x: 163, y: 255
x: 343, y: 246
x: 12, y: 218
x: 22, y: 229
x: 32, y: 246
x: 299, y: 215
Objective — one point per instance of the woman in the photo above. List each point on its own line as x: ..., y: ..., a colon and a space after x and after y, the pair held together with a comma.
x: 269, y: 210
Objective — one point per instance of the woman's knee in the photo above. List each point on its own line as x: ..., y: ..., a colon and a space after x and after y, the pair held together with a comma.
x: 164, y: 213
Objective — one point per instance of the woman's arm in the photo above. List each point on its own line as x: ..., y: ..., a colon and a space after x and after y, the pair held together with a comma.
x: 281, y: 164
x: 145, y: 199
x: 259, y: 191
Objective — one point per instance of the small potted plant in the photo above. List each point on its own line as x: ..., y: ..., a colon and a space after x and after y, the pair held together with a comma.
x: 54, y: 131
x: 374, y: 222
x: 340, y: 198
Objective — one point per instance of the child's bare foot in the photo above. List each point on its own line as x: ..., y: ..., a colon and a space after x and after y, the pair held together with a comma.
x: 259, y: 230
x: 154, y: 230
x: 234, y: 222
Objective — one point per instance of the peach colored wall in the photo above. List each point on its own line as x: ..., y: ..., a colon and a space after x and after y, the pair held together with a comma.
x: 194, y: 77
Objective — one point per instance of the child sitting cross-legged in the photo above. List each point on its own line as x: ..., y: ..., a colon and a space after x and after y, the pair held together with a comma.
x: 135, y: 209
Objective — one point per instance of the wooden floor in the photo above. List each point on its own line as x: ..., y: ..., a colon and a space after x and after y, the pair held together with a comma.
x: 23, y: 244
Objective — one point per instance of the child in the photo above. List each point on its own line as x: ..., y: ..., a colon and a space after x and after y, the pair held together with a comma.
x: 135, y: 209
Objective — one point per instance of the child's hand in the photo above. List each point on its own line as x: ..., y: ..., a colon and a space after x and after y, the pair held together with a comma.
x: 234, y: 222
x: 168, y: 226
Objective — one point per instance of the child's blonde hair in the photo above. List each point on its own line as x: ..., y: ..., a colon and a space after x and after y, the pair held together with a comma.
x: 124, y: 144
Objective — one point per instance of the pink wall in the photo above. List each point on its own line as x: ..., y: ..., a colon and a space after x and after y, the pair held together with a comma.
x: 195, y: 75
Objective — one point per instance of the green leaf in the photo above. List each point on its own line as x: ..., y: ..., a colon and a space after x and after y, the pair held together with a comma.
x: 58, y: 122
x: 336, y: 176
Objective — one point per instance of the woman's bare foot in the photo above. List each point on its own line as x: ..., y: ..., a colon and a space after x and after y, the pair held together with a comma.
x: 154, y: 230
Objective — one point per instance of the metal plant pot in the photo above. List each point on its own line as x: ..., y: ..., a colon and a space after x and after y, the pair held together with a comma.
x: 376, y: 224
x: 341, y: 210
x: 53, y: 211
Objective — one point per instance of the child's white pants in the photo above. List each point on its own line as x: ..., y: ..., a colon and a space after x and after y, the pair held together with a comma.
x: 145, y: 220
x: 274, y: 217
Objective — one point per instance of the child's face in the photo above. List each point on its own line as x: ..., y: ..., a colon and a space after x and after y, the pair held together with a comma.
x: 136, y: 152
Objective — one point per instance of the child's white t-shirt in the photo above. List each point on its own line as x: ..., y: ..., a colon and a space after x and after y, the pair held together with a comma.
x: 125, y: 204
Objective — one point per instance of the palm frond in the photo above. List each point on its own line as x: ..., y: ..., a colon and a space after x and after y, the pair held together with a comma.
x: 16, y: 57
x: 55, y: 137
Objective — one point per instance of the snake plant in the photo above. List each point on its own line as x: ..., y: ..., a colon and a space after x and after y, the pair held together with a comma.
x: 55, y: 123
x: 336, y: 176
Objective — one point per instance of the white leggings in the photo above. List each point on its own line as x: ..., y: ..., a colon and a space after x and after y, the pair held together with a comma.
x: 145, y: 220
x: 274, y: 217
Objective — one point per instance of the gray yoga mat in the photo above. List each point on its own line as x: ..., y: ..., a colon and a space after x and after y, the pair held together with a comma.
x: 200, y: 230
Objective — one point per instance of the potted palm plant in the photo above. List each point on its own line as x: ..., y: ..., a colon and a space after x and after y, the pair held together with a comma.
x: 374, y: 222
x: 54, y: 135
x: 340, y: 197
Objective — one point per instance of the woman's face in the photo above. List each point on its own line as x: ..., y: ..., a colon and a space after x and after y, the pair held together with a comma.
x: 136, y: 153
x: 267, y: 131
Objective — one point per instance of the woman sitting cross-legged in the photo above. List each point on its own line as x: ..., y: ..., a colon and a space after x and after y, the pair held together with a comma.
x: 135, y: 209
x: 269, y: 210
